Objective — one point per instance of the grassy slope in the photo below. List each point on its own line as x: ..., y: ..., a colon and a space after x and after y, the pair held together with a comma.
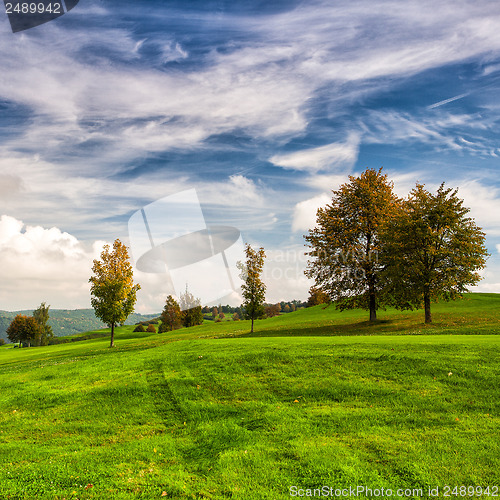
x: 254, y: 416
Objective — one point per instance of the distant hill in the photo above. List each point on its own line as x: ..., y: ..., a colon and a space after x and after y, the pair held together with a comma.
x: 69, y: 322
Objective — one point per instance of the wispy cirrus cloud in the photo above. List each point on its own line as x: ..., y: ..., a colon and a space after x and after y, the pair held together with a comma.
x: 331, y: 156
x: 471, y: 133
x: 262, y: 84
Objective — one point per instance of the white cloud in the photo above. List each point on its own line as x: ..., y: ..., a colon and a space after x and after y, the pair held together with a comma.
x: 328, y: 157
x: 439, y: 128
x: 304, y: 215
x: 484, y: 204
x: 237, y: 191
x: 262, y: 86
x: 330, y: 181
x: 498, y: 248
x: 39, y: 264
x: 486, y: 288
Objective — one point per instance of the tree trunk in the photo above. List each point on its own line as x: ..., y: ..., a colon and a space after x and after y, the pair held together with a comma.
x: 251, y: 331
x: 373, y: 307
x: 427, y: 306
x: 112, y: 335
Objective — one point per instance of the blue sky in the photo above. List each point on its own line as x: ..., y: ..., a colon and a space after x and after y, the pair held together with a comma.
x: 262, y: 108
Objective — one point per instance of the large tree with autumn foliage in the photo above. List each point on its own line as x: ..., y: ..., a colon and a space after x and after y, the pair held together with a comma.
x: 346, y: 244
x: 113, y: 293
x: 433, y: 249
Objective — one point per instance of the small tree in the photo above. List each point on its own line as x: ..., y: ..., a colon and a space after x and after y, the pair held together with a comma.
x: 171, y: 316
x: 2, y: 342
x: 433, y: 248
x: 151, y: 328
x: 286, y: 309
x: 139, y: 329
x: 14, y: 330
x: 41, y: 316
x: 191, y: 309
x: 253, y: 287
x: 345, y: 244
x: 23, y: 329
x: 272, y: 310
x: 236, y: 317
x: 222, y: 315
x: 214, y: 312
x: 113, y: 293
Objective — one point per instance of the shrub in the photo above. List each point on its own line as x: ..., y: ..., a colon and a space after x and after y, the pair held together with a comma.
x: 57, y: 340
x: 236, y: 317
x: 140, y: 328
x: 151, y: 328
x: 2, y: 342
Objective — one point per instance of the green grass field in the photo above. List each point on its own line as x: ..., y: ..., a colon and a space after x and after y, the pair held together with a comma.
x: 314, y: 398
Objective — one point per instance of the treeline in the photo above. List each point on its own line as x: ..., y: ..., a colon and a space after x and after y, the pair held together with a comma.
x: 213, y: 312
x: 173, y: 317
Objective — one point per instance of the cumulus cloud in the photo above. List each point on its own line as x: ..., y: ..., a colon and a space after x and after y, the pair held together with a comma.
x: 304, y: 215
x: 39, y: 264
x: 483, y: 201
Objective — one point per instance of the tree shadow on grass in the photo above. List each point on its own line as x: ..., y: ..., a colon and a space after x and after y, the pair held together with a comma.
x: 381, y: 327
x: 166, y: 404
